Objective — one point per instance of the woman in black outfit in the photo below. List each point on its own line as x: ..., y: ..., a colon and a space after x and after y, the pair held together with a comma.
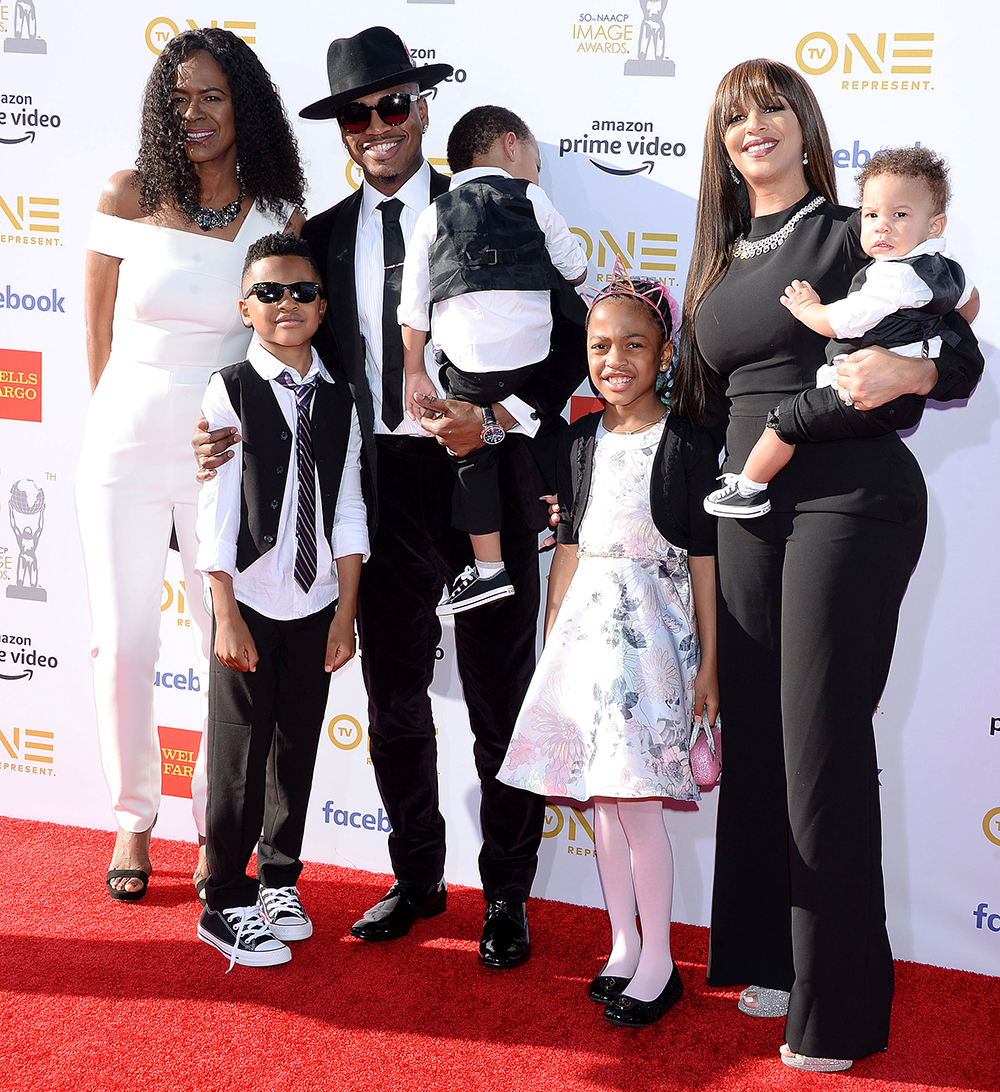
x: 810, y: 593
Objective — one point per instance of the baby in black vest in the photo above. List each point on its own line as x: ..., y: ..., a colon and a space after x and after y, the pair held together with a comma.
x: 282, y: 535
x: 479, y: 275
x: 896, y: 302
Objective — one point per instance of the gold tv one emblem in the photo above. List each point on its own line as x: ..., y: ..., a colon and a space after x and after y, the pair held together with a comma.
x: 910, y: 55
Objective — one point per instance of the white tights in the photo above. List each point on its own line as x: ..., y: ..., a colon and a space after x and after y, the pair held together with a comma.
x: 636, y: 866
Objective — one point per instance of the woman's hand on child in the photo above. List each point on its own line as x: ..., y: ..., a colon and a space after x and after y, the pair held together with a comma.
x: 211, y: 449
x: 873, y: 376
x: 234, y: 646
x: 340, y: 643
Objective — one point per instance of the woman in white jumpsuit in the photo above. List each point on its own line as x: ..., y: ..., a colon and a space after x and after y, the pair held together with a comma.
x: 217, y: 168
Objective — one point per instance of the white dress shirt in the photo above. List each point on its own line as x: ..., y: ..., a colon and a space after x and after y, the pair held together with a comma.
x: 890, y: 285
x: 490, y: 331
x: 268, y: 585
x: 369, y: 275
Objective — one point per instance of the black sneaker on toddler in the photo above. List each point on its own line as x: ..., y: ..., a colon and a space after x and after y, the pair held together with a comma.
x: 283, y: 913
x: 241, y: 933
x: 472, y: 590
x: 730, y: 502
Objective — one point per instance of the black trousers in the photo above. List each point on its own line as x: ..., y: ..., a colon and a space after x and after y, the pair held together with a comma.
x: 476, y: 507
x: 807, y: 621
x: 414, y: 552
x: 263, y: 731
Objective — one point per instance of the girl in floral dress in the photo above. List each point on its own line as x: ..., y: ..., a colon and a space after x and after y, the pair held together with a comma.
x: 629, y: 658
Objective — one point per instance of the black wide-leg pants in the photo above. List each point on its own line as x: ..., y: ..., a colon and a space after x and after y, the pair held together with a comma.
x: 414, y: 552
x: 807, y: 621
x: 263, y: 732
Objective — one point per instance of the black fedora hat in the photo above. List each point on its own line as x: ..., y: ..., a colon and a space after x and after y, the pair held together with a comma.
x: 374, y: 59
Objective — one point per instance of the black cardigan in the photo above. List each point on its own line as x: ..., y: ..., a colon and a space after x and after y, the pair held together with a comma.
x: 685, y: 468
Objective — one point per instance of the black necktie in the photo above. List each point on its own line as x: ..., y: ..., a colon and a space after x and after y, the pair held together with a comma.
x: 392, y: 340
x: 305, y: 508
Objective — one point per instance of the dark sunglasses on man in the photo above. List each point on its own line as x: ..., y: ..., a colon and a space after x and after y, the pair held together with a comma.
x: 394, y: 109
x: 272, y: 291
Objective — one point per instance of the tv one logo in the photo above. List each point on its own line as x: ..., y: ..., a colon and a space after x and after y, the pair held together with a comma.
x: 579, y: 831
x: 37, y: 216
x: 345, y: 732
x: 28, y: 751
x: 911, y: 54
x: 161, y: 29
x: 655, y: 259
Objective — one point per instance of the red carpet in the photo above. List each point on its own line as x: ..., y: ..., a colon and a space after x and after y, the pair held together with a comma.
x: 105, y: 996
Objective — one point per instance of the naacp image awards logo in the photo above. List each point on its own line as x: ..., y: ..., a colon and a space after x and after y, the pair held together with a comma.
x: 27, y: 517
x: 651, y: 59
x: 25, y: 39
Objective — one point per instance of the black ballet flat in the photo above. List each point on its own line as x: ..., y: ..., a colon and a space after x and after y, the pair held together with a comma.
x: 629, y: 1012
x: 605, y: 988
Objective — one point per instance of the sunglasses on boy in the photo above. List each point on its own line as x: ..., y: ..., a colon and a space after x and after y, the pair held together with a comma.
x: 272, y: 291
x: 394, y: 109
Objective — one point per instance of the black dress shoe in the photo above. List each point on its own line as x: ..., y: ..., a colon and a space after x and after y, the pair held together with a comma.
x: 505, y: 940
x: 606, y: 987
x: 629, y: 1012
x: 393, y: 916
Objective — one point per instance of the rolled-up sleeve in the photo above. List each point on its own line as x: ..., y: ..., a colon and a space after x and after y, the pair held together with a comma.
x: 350, y: 521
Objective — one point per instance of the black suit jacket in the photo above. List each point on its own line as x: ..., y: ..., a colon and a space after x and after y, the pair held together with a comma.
x: 527, y: 466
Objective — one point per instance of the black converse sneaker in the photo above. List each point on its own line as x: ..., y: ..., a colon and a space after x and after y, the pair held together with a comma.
x: 729, y: 501
x: 241, y: 933
x: 283, y: 913
x: 472, y: 590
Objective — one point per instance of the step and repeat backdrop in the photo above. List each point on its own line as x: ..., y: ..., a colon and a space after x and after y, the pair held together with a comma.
x: 617, y: 92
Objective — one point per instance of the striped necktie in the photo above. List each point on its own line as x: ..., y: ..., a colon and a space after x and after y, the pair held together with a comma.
x: 305, y: 508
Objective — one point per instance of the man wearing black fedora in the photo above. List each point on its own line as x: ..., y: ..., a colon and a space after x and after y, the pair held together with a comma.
x: 376, y: 98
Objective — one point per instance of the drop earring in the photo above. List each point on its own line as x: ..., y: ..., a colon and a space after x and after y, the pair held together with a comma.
x: 805, y: 158
x: 734, y: 175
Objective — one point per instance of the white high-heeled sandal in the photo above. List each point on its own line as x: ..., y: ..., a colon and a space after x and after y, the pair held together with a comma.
x: 813, y: 1065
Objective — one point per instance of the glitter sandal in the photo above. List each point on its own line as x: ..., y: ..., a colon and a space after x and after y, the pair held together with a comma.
x: 813, y: 1065
x: 760, y: 1001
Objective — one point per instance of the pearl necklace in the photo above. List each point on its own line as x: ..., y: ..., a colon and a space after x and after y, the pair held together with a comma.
x: 640, y: 428
x: 744, y: 249
x: 207, y: 219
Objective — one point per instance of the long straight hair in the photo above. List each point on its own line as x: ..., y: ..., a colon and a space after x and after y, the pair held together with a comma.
x: 724, y: 207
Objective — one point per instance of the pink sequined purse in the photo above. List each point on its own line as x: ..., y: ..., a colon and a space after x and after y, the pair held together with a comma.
x: 706, y: 753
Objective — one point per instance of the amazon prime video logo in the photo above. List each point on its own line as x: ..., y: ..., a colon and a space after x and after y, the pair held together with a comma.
x: 25, y: 39
x: 18, y: 112
x: 27, y: 517
x: 652, y: 59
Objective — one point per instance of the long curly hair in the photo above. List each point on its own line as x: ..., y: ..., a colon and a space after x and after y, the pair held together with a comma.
x: 266, y: 150
x: 724, y: 208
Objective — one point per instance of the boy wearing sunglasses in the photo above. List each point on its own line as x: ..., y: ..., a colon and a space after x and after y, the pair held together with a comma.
x: 479, y: 273
x: 283, y: 533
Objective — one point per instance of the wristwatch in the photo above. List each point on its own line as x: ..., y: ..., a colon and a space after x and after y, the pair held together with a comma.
x: 492, y: 432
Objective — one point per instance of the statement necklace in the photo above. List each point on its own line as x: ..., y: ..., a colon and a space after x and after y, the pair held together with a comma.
x: 775, y: 239
x: 207, y: 219
x: 640, y: 428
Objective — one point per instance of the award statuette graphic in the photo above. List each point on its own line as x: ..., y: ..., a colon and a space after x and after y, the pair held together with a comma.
x: 27, y: 517
x: 25, y: 38
x: 652, y: 35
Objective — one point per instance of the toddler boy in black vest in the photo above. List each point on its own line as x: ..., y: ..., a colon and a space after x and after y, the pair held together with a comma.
x: 478, y: 275
x: 282, y: 535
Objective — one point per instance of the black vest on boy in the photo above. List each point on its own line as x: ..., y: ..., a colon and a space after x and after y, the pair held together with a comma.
x: 267, y: 451
x: 487, y: 240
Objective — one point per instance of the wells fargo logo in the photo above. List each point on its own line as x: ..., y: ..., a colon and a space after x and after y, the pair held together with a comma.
x: 906, y: 54
x: 179, y: 749
x: 172, y: 602
x: 344, y: 732
x: 29, y: 751
x: 579, y: 830
x: 20, y: 385
x: 34, y: 219
x: 991, y: 826
x: 162, y: 29
x: 655, y: 258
